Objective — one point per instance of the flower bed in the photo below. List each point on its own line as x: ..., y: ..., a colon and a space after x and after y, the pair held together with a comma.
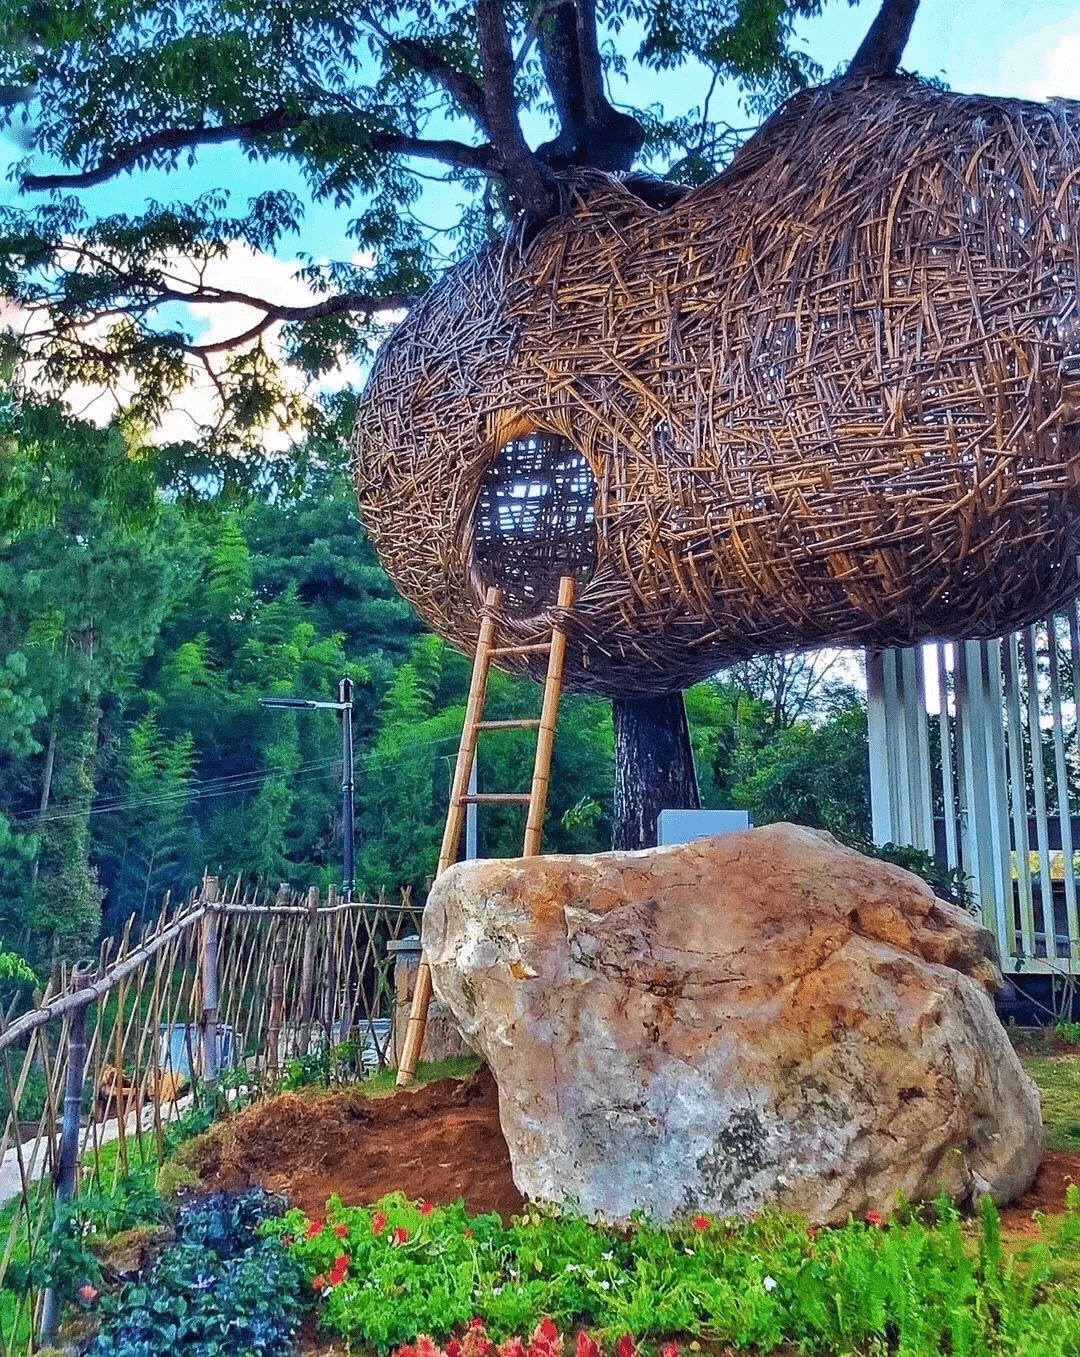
x: 415, y: 1275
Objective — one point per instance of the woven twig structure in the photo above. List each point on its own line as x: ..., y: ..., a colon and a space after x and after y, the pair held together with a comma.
x: 826, y: 398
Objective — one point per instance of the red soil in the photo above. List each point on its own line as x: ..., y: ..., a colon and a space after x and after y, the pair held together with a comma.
x: 438, y: 1143
x: 1046, y: 1193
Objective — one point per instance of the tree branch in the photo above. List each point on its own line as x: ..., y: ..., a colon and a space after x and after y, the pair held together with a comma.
x: 172, y: 139
x: 178, y: 139
x: 359, y: 303
x: 591, y: 131
x: 530, y: 183
x: 881, y: 49
x: 462, y: 87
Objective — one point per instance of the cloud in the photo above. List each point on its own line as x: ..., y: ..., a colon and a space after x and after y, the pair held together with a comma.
x: 1042, y: 65
x: 242, y: 271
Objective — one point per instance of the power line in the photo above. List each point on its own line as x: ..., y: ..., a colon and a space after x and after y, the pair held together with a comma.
x: 227, y: 785
x: 194, y: 792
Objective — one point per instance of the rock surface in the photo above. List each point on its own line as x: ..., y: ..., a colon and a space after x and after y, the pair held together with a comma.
x: 766, y: 1017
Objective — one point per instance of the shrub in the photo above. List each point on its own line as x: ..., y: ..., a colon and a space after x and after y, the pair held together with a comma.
x: 220, y: 1290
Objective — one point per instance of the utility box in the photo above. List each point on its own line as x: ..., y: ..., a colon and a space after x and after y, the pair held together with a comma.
x: 681, y: 826
x: 178, y: 1043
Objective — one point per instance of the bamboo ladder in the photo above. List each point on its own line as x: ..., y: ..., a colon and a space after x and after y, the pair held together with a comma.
x: 488, y: 651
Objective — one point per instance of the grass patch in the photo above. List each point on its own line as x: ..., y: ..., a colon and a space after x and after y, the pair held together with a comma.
x: 427, y: 1072
x: 1058, y: 1078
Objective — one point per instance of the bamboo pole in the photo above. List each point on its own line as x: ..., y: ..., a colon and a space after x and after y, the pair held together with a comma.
x: 414, y: 1033
x: 96, y: 989
x: 277, y: 1006
x: 307, y: 969
x: 69, y: 1152
x: 210, y: 998
x: 545, y: 740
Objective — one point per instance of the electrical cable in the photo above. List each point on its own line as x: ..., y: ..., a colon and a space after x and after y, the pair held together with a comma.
x: 238, y: 782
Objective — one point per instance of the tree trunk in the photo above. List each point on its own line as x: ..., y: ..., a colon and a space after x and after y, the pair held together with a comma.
x: 882, y: 48
x: 654, y: 766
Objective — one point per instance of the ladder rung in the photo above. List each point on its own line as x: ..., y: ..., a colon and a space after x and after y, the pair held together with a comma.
x: 529, y: 723
x: 508, y: 652
x: 519, y: 798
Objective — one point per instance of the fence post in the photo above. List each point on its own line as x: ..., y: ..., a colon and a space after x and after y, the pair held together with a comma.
x: 307, y: 969
x: 333, y: 935
x: 209, y: 947
x: 68, y: 1167
x: 277, y: 1003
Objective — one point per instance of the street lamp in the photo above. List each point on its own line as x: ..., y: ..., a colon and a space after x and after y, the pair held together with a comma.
x: 344, y: 704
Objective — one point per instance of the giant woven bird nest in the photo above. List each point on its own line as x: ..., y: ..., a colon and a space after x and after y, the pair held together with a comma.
x: 826, y: 398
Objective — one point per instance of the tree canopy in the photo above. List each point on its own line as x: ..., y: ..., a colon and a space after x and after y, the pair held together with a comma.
x: 433, y: 123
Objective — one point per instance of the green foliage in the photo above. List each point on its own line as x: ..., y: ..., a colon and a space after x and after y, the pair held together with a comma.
x: 324, y: 1066
x: 13, y: 967
x: 84, y: 576
x: 350, y: 107
x: 1059, y: 1084
x: 816, y: 776
x: 393, y: 1271
x: 948, y: 882
x: 92, y: 1215
x: 220, y: 1289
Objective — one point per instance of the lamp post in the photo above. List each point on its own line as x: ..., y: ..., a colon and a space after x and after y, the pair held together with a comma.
x: 344, y: 705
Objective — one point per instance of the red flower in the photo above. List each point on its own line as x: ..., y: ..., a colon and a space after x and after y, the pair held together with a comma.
x: 318, y: 1282
x: 701, y: 1222
x: 401, y: 1236
x: 587, y: 1347
x: 453, y: 1348
x: 670, y: 1350
x: 626, y: 1346
x: 341, y: 1262
x: 315, y: 1228
x: 378, y: 1222
x: 547, y: 1331
x: 476, y: 1322
x: 875, y: 1218
x: 427, y: 1208
x: 88, y: 1293
x: 342, y: 1231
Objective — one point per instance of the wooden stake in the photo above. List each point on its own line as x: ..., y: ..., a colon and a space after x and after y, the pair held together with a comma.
x: 69, y: 1147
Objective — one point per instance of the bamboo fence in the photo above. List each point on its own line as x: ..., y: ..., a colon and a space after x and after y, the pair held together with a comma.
x: 212, y: 1003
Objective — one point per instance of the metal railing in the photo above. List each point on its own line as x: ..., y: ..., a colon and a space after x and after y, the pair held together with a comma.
x: 975, y: 757
x: 212, y: 1003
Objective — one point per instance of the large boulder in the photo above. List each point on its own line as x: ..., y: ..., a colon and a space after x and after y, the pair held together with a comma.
x: 766, y: 1017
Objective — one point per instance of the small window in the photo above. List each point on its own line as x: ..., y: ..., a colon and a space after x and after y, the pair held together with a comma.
x: 535, y: 521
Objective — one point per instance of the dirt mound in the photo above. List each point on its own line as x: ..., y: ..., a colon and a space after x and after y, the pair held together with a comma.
x: 438, y: 1143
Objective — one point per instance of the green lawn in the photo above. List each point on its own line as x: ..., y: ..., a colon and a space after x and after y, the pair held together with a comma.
x: 1058, y: 1078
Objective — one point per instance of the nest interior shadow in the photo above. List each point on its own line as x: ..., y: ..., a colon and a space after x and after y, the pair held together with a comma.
x: 831, y: 397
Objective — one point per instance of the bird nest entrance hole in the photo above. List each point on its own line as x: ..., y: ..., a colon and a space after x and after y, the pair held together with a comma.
x: 534, y: 521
